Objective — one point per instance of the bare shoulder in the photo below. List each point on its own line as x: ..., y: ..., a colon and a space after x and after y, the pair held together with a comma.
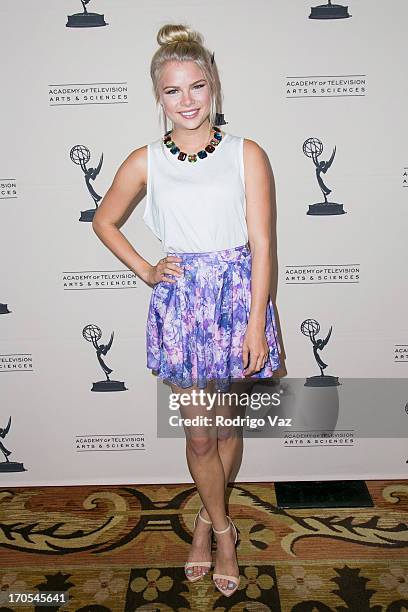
x: 135, y: 164
x: 255, y: 157
x: 252, y: 150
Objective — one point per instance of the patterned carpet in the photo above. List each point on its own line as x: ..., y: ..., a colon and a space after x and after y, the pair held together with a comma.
x: 122, y: 548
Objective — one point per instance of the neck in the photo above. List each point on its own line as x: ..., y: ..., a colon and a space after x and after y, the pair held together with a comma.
x: 191, y: 141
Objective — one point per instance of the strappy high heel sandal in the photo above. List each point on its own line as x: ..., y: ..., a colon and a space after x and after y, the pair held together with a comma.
x: 233, y: 581
x: 188, y: 567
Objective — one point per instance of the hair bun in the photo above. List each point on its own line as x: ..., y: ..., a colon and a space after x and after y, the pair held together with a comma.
x: 173, y: 33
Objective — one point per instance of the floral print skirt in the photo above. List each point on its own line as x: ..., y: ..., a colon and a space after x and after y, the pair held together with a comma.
x: 196, y: 326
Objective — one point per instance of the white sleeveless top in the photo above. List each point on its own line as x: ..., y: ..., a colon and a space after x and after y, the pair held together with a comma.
x: 197, y: 206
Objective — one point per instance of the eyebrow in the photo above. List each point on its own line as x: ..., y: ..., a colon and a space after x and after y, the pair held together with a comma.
x: 176, y: 86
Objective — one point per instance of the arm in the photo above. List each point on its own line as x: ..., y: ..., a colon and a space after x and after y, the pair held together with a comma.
x: 260, y: 193
x: 127, y: 184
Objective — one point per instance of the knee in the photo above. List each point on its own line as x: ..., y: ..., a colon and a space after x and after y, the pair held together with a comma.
x: 202, y: 446
x: 227, y: 434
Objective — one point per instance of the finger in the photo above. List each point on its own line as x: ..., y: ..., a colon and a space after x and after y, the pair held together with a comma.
x: 169, y: 270
x: 167, y: 279
x: 173, y: 267
x: 245, y: 354
x: 162, y: 273
x: 252, y: 363
x: 173, y: 274
x: 260, y: 362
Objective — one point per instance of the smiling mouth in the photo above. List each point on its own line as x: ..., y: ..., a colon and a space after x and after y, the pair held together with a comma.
x: 191, y: 113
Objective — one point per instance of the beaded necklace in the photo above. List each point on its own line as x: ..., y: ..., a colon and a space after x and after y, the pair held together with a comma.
x: 210, y: 148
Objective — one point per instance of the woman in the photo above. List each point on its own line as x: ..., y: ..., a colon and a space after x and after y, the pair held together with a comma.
x: 211, y: 322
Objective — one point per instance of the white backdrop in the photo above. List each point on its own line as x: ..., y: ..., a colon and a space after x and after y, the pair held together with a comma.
x: 286, y: 78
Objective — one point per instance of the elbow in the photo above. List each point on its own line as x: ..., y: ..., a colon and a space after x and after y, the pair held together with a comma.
x: 96, y: 223
x: 99, y: 226
x: 262, y: 245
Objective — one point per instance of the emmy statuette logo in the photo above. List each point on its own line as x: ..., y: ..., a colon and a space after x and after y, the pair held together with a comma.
x: 312, y: 148
x: 81, y: 155
x: 4, y: 309
x: 92, y: 333
x: 310, y: 327
x: 85, y: 19
x: 8, y: 466
x: 329, y: 11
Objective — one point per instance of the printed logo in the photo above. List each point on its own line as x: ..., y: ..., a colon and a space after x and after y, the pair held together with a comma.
x: 8, y: 189
x: 92, y: 333
x: 401, y: 353
x: 78, y: 94
x: 310, y: 327
x: 333, y: 86
x: 4, y: 309
x: 81, y: 280
x: 85, y: 19
x: 8, y: 466
x: 320, y: 274
x: 81, y: 155
x: 312, y: 148
x: 16, y: 362
x: 110, y: 442
x: 329, y: 11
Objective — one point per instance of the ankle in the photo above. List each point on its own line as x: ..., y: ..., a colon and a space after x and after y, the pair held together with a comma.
x: 204, y: 515
x: 223, y: 530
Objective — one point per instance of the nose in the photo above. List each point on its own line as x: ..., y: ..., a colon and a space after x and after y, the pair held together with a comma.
x: 187, y: 100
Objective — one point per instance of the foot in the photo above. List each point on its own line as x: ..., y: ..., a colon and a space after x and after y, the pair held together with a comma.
x: 201, y: 546
x: 226, y: 559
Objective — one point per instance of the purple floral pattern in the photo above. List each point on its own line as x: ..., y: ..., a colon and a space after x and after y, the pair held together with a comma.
x: 196, y: 326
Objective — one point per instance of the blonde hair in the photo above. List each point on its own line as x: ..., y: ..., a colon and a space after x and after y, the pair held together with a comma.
x: 179, y: 42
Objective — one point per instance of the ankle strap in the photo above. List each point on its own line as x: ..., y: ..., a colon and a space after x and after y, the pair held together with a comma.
x: 202, y: 518
x: 223, y: 530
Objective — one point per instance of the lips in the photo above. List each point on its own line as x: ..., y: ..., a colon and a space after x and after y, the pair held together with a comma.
x: 189, y: 114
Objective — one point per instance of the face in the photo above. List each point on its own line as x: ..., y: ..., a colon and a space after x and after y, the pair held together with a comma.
x: 183, y: 89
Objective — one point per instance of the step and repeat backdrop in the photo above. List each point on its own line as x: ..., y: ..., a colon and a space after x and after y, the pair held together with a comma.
x: 323, y: 89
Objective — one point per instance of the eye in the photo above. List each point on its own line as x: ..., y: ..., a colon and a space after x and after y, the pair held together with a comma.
x: 170, y: 91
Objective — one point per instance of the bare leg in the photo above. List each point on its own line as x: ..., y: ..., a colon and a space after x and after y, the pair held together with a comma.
x: 213, y: 456
x: 230, y: 448
x: 208, y: 474
x: 230, y: 440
